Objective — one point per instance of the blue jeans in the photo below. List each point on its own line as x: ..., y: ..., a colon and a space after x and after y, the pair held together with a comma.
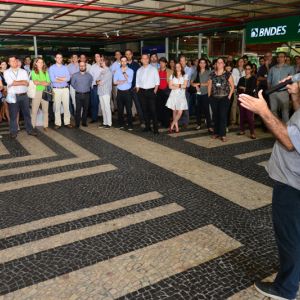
x: 94, y: 103
x: 22, y: 104
x: 286, y: 221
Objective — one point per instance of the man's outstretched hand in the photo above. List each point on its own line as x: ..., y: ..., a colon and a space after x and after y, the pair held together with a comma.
x: 257, y: 105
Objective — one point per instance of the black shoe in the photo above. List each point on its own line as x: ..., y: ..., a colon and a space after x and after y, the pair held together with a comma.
x: 146, y: 130
x: 84, y: 125
x: 91, y: 122
x: 106, y: 127
x: 13, y: 135
x: 267, y: 289
x: 33, y: 133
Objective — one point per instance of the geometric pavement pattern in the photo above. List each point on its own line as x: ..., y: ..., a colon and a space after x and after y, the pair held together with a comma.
x: 96, y: 214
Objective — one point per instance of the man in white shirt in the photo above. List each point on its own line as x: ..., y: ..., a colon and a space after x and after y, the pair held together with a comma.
x: 147, y: 82
x: 95, y: 71
x: 73, y: 68
x: 17, y: 85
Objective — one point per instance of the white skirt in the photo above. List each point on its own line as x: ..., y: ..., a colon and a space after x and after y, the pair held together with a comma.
x: 177, y: 100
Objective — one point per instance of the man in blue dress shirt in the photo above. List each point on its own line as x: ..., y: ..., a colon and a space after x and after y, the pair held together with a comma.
x: 123, y: 80
x: 60, y: 76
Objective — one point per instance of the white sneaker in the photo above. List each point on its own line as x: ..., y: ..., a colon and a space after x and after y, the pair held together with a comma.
x: 198, y: 127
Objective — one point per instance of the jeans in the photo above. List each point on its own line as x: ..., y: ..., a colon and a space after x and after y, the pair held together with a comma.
x: 82, y: 103
x: 22, y: 103
x: 94, y: 103
x: 148, y: 101
x: 202, y: 105
x: 220, y: 108
x: 286, y: 221
x: 124, y: 100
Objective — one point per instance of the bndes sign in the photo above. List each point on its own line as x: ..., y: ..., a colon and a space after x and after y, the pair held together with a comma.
x: 268, y: 31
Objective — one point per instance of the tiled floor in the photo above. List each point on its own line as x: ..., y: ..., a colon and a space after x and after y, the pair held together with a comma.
x: 110, y: 214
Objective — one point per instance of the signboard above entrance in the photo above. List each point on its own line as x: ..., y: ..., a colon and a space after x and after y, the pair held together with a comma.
x: 273, y: 30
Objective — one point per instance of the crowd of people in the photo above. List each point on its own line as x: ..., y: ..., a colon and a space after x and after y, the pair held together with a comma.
x: 161, y: 93
x: 153, y: 90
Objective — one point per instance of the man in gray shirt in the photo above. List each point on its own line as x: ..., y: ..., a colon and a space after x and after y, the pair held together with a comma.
x: 284, y: 168
x: 81, y: 82
x: 280, y: 100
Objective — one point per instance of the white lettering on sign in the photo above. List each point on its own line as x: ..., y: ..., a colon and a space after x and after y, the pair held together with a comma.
x: 268, y: 31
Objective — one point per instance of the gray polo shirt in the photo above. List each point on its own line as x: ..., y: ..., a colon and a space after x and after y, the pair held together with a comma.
x: 81, y: 82
x: 284, y: 165
x: 277, y: 73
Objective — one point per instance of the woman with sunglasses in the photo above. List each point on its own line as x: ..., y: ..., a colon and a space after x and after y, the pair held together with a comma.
x: 247, y: 85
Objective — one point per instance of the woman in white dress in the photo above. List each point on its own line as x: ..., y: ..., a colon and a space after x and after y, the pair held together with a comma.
x: 177, y: 99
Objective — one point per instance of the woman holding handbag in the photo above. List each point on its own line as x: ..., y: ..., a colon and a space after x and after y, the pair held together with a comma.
x: 41, y: 79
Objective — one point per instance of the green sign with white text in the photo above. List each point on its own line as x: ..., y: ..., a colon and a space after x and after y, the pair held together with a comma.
x: 273, y: 30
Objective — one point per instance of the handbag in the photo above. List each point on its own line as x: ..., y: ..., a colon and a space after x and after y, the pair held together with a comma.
x: 11, y: 98
x: 48, y: 94
x: 31, y: 89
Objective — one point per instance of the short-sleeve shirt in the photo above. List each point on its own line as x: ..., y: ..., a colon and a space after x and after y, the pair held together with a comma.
x: 41, y: 76
x: 201, y: 78
x: 220, y: 84
x: 284, y: 165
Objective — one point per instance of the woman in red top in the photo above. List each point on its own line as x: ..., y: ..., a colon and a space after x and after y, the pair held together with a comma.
x: 163, y: 112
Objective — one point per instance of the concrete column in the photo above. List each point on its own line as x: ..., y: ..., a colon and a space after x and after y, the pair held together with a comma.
x: 243, y: 50
x: 177, y: 47
x: 35, y: 46
x: 200, y: 35
x: 142, y: 45
x: 167, y: 47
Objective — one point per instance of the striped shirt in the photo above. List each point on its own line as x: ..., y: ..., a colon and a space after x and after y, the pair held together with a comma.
x: 106, y: 82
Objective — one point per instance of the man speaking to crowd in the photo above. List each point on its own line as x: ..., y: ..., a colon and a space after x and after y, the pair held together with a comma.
x: 284, y: 169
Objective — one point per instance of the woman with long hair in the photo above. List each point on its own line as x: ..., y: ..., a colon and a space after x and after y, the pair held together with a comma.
x: 104, y: 83
x: 220, y: 88
x: 41, y: 79
x: 199, y: 82
x: 4, y: 112
x: 177, y: 100
x: 172, y: 63
x: 247, y: 85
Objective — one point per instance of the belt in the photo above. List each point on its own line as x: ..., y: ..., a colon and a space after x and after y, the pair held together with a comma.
x: 82, y: 93
x: 124, y: 90
x: 21, y: 94
x: 60, y: 87
x: 146, y: 89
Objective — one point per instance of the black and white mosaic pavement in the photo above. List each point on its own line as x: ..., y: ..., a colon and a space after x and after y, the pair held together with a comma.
x: 217, y: 278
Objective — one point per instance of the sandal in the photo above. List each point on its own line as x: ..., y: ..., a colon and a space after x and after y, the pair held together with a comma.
x: 223, y: 139
x: 253, y: 136
x: 241, y: 133
x: 215, y: 136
